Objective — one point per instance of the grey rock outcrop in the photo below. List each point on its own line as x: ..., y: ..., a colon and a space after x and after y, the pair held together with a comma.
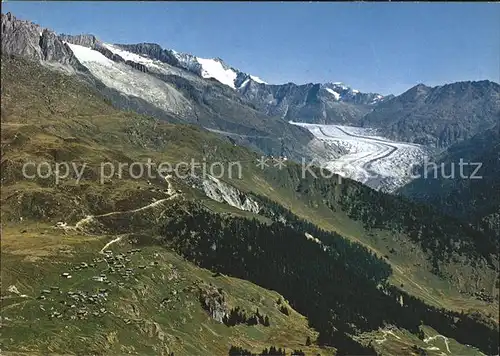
x: 81, y: 40
x: 214, y: 302
x: 222, y: 192
x: 20, y: 37
x: 26, y: 39
x: 53, y: 49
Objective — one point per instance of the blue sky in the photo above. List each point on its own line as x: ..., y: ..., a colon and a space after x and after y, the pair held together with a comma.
x: 378, y: 47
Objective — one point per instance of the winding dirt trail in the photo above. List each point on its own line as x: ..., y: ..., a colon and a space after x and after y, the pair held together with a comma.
x: 445, y: 339
x: 386, y: 332
x: 119, y: 238
x: 79, y: 226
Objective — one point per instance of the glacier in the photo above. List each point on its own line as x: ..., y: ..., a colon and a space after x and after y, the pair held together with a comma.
x: 368, y: 158
x: 131, y: 82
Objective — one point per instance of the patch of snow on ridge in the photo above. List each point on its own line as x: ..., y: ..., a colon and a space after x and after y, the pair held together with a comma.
x: 341, y: 85
x: 334, y: 93
x: 212, y: 68
x: 377, y: 99
x: 245, y: 83
x: 129, y: 56
x: 87, y: 55
x: 257, y: 79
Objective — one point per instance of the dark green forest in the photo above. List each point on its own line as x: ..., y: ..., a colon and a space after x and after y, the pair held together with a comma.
x: 339, y: 286
x: 439, y: 235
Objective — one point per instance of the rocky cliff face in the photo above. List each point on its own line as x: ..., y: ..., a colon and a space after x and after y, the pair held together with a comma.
x: 29, y: 40
x: 188, y: 62
x: 21, y: 37
x: 53, y: 49
x: 214, y: 302
x: 222, y: 192
x: 81, y: 40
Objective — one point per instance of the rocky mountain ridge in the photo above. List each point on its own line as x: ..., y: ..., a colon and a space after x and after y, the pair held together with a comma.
x: 312, y: 102
x: 438, y: 116
x: 326, y: 103
x: 27, y: 39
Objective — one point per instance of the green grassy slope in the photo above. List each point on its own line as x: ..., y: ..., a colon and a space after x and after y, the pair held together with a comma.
x: 131, y: 318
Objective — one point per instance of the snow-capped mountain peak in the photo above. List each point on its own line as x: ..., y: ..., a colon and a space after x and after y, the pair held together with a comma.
x: 342, y: 92
x: 215, y: 68
x: 340, y: 85
x: 257, y: 79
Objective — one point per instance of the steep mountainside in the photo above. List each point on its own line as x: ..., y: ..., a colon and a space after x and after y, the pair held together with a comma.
x: 474, y: 193
x: 438, y: 116
x: 327, y: 247
x: 155, y: 85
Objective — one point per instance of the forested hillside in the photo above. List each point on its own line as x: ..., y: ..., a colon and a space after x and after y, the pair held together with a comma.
x: 470, y: 192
